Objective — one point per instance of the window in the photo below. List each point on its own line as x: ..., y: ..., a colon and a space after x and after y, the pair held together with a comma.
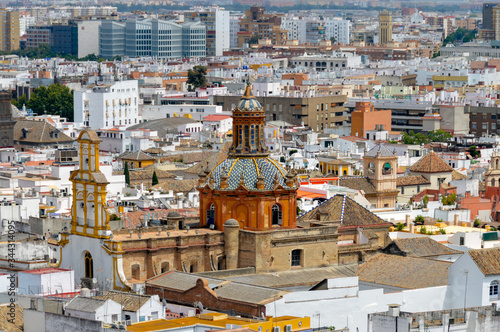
x: 89, y: 265
x: 114, y: 318
x: 211, y: 215
x: 296, y: 257
x: 387, y: 169
x: 277, y: 216
x: 494, y: 290
x: 402, y: 190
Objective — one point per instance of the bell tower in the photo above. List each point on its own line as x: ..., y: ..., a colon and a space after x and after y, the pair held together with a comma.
x: 492, y: 175
x: 380, y: 167
x: 89, y: 214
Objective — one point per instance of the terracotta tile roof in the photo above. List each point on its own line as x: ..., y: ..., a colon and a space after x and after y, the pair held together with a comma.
x: 189, y: 158
x: 129, y: 301
x: 183, y: 186
x: 345, y: 210
x: 487, y: 260
x: 419, y: 247
x: 213, y: 160
x: 413, y: 180
x: 38, y: 132
x: 431, y: 163
x: 358, y: 183
x: 134, y: 219
x: 404, y: 272
x: 136, y: 155
x: 458, y: 176
x: 147, y: 174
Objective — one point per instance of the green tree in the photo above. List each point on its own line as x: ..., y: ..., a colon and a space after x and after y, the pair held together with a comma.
x: 432, y: 136
x: 155, y: 179
x: 333, y: 40
x: 425, y: 201
x: 474, y: 152
x: 253, y: 40
x: 19, y: 102
x: 449, y: 200
x: 126, y: 172
x: 197, y: 77
x: 55, y: 99
x: 400, y: 226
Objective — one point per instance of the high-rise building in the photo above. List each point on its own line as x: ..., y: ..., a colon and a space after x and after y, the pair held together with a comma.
x: 216, y: 21
x: 313, y: 29
x: 62, y: 38
x: 157, y: 38
x: 9, y: 30
x: 234, y: 27
x: 385, y: 27
x: 265, y: 26
x: 496, y: 21
x: 488, y: 15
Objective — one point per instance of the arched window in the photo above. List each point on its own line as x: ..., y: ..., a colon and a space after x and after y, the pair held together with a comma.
x: 277, y: 215
x: 247, y: 137
x: 89, y: 265
x: 371, y: 168
x: 211, y: 215
x: 165, y: 267
x: 492, y: 182
x: 296, y: 257
x: 498, y: 164
x: 494, y: 290
x: 387, y: 169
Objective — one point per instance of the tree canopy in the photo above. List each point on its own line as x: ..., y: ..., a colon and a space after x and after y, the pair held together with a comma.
x: 432, y: 136
x: 126, y: 172
x: 197, y: 77
x: 461, y: 35
x: 253, y: 40
x: 56, y: 99
x: 155, y: 179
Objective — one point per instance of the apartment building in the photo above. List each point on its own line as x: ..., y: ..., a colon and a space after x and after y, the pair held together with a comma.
x: 105, y: 106
x: 265, y: 26
x: 315, y: 29
x: 9, y: 30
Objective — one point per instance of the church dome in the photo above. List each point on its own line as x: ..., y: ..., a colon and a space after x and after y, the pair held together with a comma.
x: 248, y: 102
x: 268, y: 170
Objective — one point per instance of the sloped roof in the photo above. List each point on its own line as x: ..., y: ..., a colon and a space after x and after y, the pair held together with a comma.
x: 129, y: 301
x: 163, y: 126
x: 236, y: 291
x: 458, y: 176
x: 212, y: 160
x: 136, y: 155
x: 345, y: 210
x: 358, y: 183
x: 85, y: 304
x: 384, y: 152
x: 404, y: 272
x: 39, y: 132
x: 421, y: 247
x: 487, y: 260
x: 431, y: 163
x: 184, y: 186
x: 147, y: 174
x: 412, y: 180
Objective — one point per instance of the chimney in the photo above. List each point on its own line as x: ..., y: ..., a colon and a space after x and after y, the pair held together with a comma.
x: 393, y: 310
x: 381, y: 127
x: 407, y: 220
x: 456, y: 220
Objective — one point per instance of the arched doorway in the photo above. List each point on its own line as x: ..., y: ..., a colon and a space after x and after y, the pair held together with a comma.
x: 89, y: 265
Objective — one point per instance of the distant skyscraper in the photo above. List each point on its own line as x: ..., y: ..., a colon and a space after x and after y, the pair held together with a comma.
x: 488, y: 15
x: 385, y: 27
x: 9, y: 30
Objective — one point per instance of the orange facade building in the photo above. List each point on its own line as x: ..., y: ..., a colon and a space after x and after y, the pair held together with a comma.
x: 249, y: 186
x: 366, y: 118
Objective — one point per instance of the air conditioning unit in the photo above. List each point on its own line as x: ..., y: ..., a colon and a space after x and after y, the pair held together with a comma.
x: 288, y: 328
x: 276, y: 329
x: 128, y: 322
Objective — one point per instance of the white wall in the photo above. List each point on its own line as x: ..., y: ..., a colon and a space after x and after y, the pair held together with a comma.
x: 46, y: 284
x: 88, y: 38
x: 197, y: 112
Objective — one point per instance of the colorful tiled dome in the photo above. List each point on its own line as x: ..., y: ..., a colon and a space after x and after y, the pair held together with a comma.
x: 248, y: 102
x: 268, y: 170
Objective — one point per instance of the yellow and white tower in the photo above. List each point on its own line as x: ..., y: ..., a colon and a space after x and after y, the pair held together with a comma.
x: 89, y: 215
x: 88, y: 248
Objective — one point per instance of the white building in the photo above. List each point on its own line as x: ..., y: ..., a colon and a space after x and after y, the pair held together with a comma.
x: 105, y: 106
x: 234, y: 27
x: 338, y: 29
x: 219, y: 124
x: 217, y: 22
x: 106, y: 311
x: 88, y: 37
x: 195, y: 112
x: 44, y: 282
